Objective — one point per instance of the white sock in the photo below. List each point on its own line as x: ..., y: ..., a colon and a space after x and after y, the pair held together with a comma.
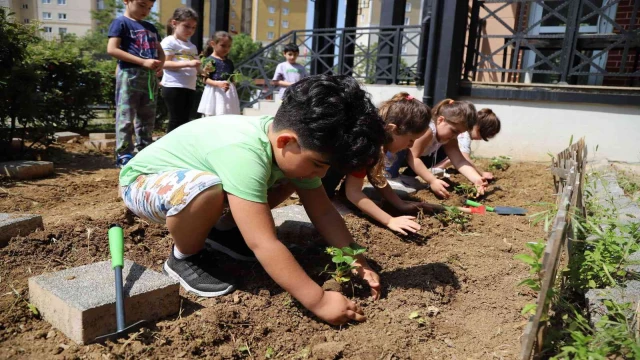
x: 178, y: 255
x: 226, y: 222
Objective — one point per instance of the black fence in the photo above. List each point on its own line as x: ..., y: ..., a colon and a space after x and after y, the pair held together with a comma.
x: 389, y: 55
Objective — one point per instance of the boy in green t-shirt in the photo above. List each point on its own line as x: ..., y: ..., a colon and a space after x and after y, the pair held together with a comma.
x: 185, y: 178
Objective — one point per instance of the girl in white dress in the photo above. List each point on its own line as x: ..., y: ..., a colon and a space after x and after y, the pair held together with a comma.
x: 220, y: 96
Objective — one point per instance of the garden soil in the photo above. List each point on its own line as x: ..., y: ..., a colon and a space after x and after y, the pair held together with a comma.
x: 448, y: 293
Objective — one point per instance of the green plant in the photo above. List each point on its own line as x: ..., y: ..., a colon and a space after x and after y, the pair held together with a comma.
x: 415, y: 315
x: 535, y: 262
x: 500, y: 163
x: 452, y: 215
x: 613, y: 337
x: 344, y: 260
x: 545, y: 216
x: 270, y: 353
x: 466, y: 190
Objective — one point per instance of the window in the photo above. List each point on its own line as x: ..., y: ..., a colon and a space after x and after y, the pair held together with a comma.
x: 46, y: 1
x: 285, y: 0
x: 270, y: 35
x: 48, y: 29
x: 272, y: 9
x: 233, y: 2
x: 270, y: 22
x: 26, y: 21
x: 62, y: 2
x: 285, y: 24
x: 46, y: 15
x: 62, y: 31
x: 62, y: 16
x: 233, y: 14
x: 183, y: 2
x: 407, y: 8
x: 25, y: 6
x: 232, y: 27
x: 407, y: 21
x: 285, y: 11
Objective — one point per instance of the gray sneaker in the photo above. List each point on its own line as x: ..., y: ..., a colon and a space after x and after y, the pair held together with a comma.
x: 198, y: 275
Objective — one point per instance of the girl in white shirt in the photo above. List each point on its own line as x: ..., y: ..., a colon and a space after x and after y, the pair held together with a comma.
x: 181, y: 67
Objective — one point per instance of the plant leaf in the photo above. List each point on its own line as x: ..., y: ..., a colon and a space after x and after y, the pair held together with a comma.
x: 528, y: 259
x: 529, y: 308
x: 414, y: 315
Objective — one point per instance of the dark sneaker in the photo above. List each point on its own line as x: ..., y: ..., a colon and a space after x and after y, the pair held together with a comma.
x: 231, y: 243
x: 197, y: 275
x: 122, y: 160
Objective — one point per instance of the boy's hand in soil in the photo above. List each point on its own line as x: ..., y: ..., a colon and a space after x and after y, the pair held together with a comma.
x: 438, y: 187
x: 336, y: 309
x: 402, y: 223
x: 371, y: 277
x: 481, y: 185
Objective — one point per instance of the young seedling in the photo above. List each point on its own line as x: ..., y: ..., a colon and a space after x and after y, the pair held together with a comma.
x: 500, y: 163
x: 466, y: 190
x: 415, y: 315
x: 344, y: 260
x: 453, y: 216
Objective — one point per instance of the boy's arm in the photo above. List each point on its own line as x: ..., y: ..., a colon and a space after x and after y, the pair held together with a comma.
x: 113, y: 49
x: 161, y: 55
x: 258, y: 230
x: 331, y: 226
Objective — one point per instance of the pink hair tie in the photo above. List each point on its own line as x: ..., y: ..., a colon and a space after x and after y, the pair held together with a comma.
x: 409, y: 97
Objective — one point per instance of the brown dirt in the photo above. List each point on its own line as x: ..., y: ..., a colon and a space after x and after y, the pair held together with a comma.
x: 462, y: 284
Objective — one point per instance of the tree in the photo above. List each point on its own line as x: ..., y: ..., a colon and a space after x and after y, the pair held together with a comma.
x: 243, y: 47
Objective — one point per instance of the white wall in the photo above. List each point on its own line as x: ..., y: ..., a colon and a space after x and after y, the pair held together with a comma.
x: 531, y: 129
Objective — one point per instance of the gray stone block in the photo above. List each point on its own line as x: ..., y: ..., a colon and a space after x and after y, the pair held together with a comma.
x: 100, y: 145
x: 102, y: 136
x: 65, y: 136
x: 595, y: 299
x: 292, y: 221
x: 80, y: 302
x: 18, y: 224
x: 26, y: 169
x: 403, y: 186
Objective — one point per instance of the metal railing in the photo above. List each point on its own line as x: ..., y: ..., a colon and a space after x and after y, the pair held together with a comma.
x: 578, y: 42
x: 389, y: 55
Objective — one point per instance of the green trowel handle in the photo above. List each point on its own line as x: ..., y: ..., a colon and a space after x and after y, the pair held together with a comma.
x: 477, y: 204
x: 116, y: 245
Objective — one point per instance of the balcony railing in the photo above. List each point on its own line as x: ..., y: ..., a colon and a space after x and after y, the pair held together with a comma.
x: 389, y: 55
x: 575, y: 42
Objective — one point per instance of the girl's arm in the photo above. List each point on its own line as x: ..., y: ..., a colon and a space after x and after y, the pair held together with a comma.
x: 217, y: 83
x: 170, y: 64
x: 465, y: 167
x: 358, y: 198
x: 438, y: 187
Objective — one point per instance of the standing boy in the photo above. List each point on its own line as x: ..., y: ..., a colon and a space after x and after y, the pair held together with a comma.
x: 136, y: 45
x: 185, y: 178
x: 288, y: 72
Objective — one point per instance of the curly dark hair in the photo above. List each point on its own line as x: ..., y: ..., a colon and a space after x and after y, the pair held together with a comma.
x: 291, y: 47
x: 334, y: 116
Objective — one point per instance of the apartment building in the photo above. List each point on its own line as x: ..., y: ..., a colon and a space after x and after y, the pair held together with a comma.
x: 56, y: 16
x: 264, y: 20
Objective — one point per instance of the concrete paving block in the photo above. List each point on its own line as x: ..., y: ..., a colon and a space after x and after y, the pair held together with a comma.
x: 102, y: 136
x: 403, y: 185
x: 65, y: 136
x: 595, y: 299
x: 18, y: 224
x: 292, y: 221
x: 26, y: 169
x: 80, y: 301
x: 100, y: 145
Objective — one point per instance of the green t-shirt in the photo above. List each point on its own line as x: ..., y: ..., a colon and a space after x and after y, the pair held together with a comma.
x: 234, y: 147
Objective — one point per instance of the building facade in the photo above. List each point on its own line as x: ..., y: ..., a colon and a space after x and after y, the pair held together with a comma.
x: 57, y: 17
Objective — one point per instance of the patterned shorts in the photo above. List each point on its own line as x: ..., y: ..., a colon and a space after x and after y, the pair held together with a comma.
x: 156, y: 196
